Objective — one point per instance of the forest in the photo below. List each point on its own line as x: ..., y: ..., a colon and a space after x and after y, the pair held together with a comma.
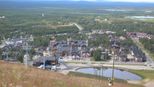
x: 42, y: 20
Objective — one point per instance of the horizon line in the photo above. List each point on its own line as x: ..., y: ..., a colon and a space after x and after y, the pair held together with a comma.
x: 77, y: 1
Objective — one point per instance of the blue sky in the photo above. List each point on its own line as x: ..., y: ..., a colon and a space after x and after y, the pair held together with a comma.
x: 120, y: 0
x: 134, y: 0
x: 149, y: 1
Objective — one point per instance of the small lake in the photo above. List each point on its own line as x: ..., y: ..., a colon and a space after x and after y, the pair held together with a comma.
x: 107, y: 72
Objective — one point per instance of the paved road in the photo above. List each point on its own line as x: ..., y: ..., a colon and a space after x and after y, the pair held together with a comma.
x: 149, y: 59
x: 78, y: 26
x: 74, y: 66
x: 133, y: 67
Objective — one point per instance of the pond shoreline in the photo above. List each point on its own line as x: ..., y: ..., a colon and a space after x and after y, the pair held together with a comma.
x: 107, y: 72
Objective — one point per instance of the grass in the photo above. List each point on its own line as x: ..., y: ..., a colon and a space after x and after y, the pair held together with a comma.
x: 145, y: 74
x: 16, y: 75
x: 149, y: 20
x: 104, y: 79
x: 93, y: 76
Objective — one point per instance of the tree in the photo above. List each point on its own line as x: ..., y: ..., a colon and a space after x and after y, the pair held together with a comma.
x: 0, y: 53
x: 20, y: 56
x: 97, y: 55
x: 105, y: 57
x: 127, y: 43
x: 148, y: 44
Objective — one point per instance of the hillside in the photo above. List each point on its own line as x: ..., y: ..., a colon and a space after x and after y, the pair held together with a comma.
x: 16, y: 75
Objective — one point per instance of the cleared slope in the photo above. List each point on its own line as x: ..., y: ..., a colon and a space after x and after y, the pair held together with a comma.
x: 16, y: 75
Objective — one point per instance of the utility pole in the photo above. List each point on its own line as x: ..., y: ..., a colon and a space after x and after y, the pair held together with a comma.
x: 115, y: 49
x: 26, y: 56
x: 113, y: 68
x: 70, y: 45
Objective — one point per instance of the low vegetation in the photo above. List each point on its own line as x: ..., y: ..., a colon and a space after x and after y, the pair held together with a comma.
x: 149, y: 46
x: 145, y: 74
x: 16, y: 75
x: 104, y: 79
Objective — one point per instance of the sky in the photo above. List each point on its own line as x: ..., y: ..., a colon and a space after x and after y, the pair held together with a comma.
x: 134, y: 0
x: 147, y: 1
x: 121, y: 0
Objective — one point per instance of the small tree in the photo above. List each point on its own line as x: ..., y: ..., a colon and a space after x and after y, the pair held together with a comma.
x: 97, y: 55
x: 20, y: 56
x: 0, y: 53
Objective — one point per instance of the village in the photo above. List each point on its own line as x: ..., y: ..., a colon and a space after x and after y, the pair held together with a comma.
x: 59, y: 52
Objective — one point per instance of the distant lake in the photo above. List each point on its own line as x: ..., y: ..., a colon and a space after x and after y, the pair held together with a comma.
x: 107, y: 72
x: 140, y: 17
x: 121, y: 10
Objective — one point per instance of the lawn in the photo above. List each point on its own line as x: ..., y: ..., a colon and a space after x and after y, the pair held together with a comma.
x: 145, y: 74
x: 149, y: 20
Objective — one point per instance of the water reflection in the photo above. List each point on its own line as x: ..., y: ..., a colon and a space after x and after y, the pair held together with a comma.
x: 107, y: 72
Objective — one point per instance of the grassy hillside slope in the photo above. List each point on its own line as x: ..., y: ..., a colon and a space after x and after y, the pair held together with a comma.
x: 16, y: 75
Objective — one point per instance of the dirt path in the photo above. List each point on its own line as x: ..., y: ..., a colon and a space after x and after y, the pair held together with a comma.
x: 145, y: 83
x: 149, y: 84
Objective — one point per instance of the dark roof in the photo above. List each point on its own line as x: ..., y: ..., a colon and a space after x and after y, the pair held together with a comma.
x: 44, y: 58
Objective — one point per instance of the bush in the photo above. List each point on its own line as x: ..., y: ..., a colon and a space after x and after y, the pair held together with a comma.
x: 97, y: 55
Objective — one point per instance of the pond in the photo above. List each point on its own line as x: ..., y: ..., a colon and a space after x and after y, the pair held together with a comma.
x: 107, y: 72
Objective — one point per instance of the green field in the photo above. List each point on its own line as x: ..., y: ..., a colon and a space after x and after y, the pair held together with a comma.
x: 145, y: 74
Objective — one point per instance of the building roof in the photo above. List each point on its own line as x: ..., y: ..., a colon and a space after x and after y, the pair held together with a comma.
x: 44, y: 58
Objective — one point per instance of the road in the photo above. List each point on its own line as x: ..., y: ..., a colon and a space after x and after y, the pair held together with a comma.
x: 137, y: 42
x: 73, y: 66
x: 78, y: 26
x: 132, y: 67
